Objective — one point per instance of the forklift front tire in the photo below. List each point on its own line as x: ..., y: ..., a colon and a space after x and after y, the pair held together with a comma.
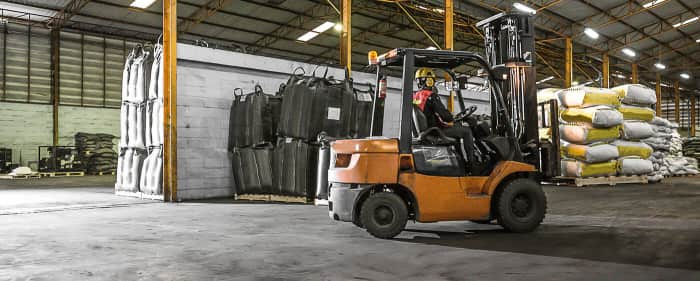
x: 521, y: 205
x: 384, y: 215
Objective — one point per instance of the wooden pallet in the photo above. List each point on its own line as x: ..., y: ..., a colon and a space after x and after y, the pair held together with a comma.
x: 61, y: 174
x: 139, y: 195
x: 272, y: 198
x: 22, y: 177
x: 610, y: 180
x: 682, y: 176
x: 104, y: 173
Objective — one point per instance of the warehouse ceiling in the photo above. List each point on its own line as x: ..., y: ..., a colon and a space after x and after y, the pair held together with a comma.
x: 657, y: 30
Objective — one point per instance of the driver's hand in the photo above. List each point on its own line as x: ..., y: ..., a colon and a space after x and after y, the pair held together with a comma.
x: 449, y: 124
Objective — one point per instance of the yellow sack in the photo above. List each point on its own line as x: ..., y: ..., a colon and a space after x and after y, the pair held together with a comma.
x: 585, y: 134
x: 636, y: 113
x: 598, y: 152
x: 599, y: 116
x: 545, y: 133
x: 588, y: 96
x: 636, y: 94
x: 575, y: 168
x: 630, y: 148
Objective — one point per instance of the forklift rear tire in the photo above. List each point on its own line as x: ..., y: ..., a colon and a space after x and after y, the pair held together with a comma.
x: 384, y: 215
x: 521, y: 205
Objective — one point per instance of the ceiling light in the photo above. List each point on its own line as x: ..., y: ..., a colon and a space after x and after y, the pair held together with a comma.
x: 307, y: 36
x: 629, y: 52
x: 431, y: 48
x: 545, y: 80
x: 685, y: 75
x: 591, y: 33
x: 660, y: 65
x: 338, y: 27
x: 685, y: 22
x: 142, y: 4
x: 618, y: 75
x: 697, y: 41
x: 653, y: 3
x: 524, y: 8
x: 323, y: 27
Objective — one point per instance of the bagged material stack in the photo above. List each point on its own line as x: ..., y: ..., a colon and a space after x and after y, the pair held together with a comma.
x: 253, y: 124
x: 668, y: 147
x: 635, y: 108
x: 691, y: 147
x: 97, y: 152
x: 141, y: 121
x: 589, y: 121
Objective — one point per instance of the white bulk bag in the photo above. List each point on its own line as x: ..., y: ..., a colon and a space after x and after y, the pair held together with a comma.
x: 139, y: 138
x: 140, y: 94
x: 159, y: 120
x: 636, y: 130
x: 155, y: 68
x: 120, y: 165
x: 634, y: 166
x: 636, y: 94
x: 131, y: 126
x: 133, y: 78
x: 124, y: 125
x: 151, y: 175
x: 145, y: 174
x: 125, y: 77
x: 149, y: 123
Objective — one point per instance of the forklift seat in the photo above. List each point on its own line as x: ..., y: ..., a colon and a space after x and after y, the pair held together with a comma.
x: 425, y: 135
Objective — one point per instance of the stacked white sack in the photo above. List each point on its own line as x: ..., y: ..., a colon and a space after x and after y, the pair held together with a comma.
x: 668, y: 156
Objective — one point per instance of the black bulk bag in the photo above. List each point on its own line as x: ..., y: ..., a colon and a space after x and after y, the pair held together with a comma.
x: 334, y: 109
x: 294, y: 167
x: 252, y: 170
x: 237, y: 129
x: 362, y: 112
x: 313, y: 104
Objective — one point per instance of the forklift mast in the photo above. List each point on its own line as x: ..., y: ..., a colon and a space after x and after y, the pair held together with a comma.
x: 509, y: 41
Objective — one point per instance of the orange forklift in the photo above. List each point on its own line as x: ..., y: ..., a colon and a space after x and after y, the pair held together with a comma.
x: 380, y: 183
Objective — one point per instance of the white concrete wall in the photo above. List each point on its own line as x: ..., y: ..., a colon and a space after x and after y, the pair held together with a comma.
x: 206, y: 79
x: 23, y: 127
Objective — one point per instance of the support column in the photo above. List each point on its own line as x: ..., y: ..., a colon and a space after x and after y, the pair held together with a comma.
x: 692, y: 115
x: 568, y: 62
x: 170, y: 100
x: 55, y: 67
x: 606, y: 70
x: 677, y: 101
x: 449, y: 43
x: 635, y: 73
x: 658, y: 94
x: 346, y: 35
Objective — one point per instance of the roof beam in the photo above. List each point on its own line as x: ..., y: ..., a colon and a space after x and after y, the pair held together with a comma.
x: 204, y: 12
x: 71, y: 9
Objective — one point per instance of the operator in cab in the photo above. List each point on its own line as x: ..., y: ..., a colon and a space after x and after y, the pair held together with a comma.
x: 437, y: 115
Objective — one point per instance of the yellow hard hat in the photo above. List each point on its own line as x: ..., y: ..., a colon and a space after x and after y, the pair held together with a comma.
x: 425, y: 72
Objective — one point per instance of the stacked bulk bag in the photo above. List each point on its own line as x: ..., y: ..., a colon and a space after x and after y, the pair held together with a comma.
x: 362, y: 112
x: 252, y: 133
x: 139, y: 164
x: 294, y: 167
x: 152, y: 169
x: 589, y: 121
x: 312, y: 105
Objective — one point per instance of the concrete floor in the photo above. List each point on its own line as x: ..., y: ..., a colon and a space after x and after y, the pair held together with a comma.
x: 83, y: 232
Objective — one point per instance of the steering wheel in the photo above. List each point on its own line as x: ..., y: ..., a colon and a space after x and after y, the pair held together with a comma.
x: 465, y: 113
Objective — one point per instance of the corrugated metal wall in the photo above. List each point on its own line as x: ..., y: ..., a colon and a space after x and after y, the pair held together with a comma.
x: 90, y: 67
